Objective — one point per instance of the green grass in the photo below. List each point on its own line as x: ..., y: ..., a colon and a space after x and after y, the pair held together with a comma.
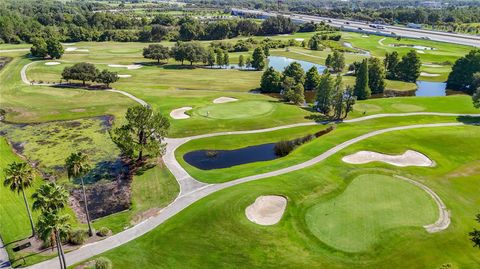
x: 204, y: 234
x: 343, y: 132
x: 235, y: 110
x: 355, y: 220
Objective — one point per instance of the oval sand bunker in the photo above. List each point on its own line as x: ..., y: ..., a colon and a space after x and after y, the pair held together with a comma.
x: 409, y: 158
x: 179, y: 113
x: 52, y: 63
x: 266, y: 210
x: 221, y: 100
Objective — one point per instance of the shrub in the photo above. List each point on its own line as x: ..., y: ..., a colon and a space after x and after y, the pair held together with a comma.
x: 103, y: 263
x: 104, y: 231
x: 77, y: 237
x: 283, y: 148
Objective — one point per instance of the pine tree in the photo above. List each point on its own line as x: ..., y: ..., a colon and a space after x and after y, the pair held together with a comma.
x: 362, y: 91
x: 323, y: 96
x: 312, y: 79
x: 391, y: 62
x: 258, y: 59
x: 409, y: 68
x: 376, y: 75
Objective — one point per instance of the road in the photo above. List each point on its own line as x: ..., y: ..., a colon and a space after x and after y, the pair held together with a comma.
x: 193, y: 190
x: 349, y: 25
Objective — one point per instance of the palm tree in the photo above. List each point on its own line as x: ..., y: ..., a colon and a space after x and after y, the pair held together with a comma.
x: 20, y: 176
x: 54, y: 227
x: 50, y: 197
x: 77, y: 166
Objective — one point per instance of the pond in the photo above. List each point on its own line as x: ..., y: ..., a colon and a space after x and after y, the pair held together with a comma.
x: 279, y: 63
x: 215, y: 159
x: 426, y: 88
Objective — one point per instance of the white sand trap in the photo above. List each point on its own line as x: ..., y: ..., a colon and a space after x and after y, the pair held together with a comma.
x: 266, y: 210
x: 409, y: 158
x: 179, y: 113
x: 364, y: 35
x: 299, y: 39
x: 52, y: 63
x: 124, y: 76
x: 221, y: 100
x: 82, y: 50
x: 130, y: 66
x: 421, y: 51
x: 425, y: 74
x: 433, y: 65
x: 71, y: 49
x: 68, y: 44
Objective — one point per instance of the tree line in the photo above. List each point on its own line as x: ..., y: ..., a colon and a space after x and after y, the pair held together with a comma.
x: 87, y: 72
x: 24, y: 21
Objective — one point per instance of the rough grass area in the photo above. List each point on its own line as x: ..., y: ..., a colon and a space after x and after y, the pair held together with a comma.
x: 49, y: 144
x: 371, y: 205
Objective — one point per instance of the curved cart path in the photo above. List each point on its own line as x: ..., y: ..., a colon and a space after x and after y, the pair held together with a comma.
x: 23, y: 75
x: 193, y: 191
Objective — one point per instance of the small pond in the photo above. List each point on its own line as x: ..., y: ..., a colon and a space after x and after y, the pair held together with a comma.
x: 426, y: 88
x: 215, y: 159
x: 279, y: 63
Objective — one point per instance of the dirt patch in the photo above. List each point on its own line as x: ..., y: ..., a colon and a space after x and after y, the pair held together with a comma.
x: 267, y: 209
x: 145, y: 215
x: 409, y: 158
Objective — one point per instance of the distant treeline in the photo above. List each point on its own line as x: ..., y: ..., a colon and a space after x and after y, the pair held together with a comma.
x: 451, y: 16
x: 23, y: 21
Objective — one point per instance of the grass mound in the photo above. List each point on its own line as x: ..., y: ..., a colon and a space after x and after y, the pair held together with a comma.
x: 236, y: 110
x: 355, y: 220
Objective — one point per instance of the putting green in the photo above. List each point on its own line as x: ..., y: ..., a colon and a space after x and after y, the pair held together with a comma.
x: 355, y: 220
x: 236, y: 110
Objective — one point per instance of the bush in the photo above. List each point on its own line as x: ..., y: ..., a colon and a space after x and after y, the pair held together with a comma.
x: 103, y: 263
x: 77, y: 237
x: 104, y: 231
x: 283, y: 148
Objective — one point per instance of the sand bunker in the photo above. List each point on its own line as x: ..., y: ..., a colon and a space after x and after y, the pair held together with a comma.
x: 421, y: 51
x: 221, y: 100
x: 299, y: 39
x: 409, y: 158
x: 266, y: 210
x: 425, y: 74
x: 179, y: 113
x: 70, y: 49
x: 364, y: 35
x: 433, y: 65
x: 52, y: 63
x: 68, y: 44
x: 130, y: 66
x: 124, y: 76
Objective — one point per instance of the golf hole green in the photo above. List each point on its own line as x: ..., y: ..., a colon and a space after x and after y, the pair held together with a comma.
x: 235, y: 110
x: 356, y: 220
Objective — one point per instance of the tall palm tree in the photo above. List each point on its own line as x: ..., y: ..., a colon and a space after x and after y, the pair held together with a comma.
x: 77, y: 165
x: 50, y: 198
x: 53, y: 227
x: 20, y: 176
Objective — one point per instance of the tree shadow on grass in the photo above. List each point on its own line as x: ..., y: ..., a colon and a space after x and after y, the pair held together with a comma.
x: 469, y: 120
x: 106, y: 170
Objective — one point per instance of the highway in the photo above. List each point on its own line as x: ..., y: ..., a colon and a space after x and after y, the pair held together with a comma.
x: 348, y: 25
